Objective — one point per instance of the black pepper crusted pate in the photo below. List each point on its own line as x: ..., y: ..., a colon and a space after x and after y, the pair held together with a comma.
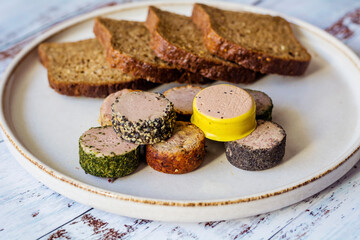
x: 250, y: 153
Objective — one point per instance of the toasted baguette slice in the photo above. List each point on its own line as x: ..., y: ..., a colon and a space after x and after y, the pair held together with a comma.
x: 127, y: 45
x: 176, y: 39
x: 259, y: 42
x: 80, y: 69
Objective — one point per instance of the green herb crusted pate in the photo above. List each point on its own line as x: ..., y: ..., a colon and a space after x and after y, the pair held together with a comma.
x: 111, y: 166
x: 107, y: 156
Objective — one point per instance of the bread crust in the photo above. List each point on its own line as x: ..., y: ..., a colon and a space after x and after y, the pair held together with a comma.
x: 140, y: 69
x: 86, y: 89
x: 182, y: 58
x: 256, y: 61
x: 177, y: 162
x: 97, y: 91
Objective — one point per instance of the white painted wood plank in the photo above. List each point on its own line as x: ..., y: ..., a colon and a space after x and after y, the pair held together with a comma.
x: 28, y: 208
x: 334, y: 215
x: 16, y: 26
x: 319, y: 13
x: 21, y: 21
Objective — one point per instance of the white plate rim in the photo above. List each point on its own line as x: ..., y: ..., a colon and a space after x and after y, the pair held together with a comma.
x: 11, y: 138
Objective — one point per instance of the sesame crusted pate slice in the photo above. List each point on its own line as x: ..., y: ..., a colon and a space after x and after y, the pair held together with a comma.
x: 143, y: 117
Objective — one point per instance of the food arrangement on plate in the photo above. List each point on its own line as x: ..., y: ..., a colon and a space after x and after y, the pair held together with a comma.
x: 127, y: 58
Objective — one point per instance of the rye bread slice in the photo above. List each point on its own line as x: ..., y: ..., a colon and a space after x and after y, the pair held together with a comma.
x: 80, y: 69
x: 176, y: 39
x: 127, y: 46
x: 259, y: 42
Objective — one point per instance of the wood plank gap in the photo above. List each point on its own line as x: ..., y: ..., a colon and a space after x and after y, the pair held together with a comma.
x: 65, y: 223
x: 292, y: 220
x: 283, y: 227
x: 257, y: 2
x: 287, y: 224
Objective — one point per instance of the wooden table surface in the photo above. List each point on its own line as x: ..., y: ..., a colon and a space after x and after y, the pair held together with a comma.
x: 29, y: 210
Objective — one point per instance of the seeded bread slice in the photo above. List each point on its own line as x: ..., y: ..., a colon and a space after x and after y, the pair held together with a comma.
x: 80, y: 69
x: 259, y: 42
x: 127, y: 45
x: 176, y: 39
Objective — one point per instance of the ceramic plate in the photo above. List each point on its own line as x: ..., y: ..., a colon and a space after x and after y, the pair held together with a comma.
x: 320, y: 112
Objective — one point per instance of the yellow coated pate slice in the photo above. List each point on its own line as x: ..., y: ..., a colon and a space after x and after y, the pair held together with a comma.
x: 224, y: 112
